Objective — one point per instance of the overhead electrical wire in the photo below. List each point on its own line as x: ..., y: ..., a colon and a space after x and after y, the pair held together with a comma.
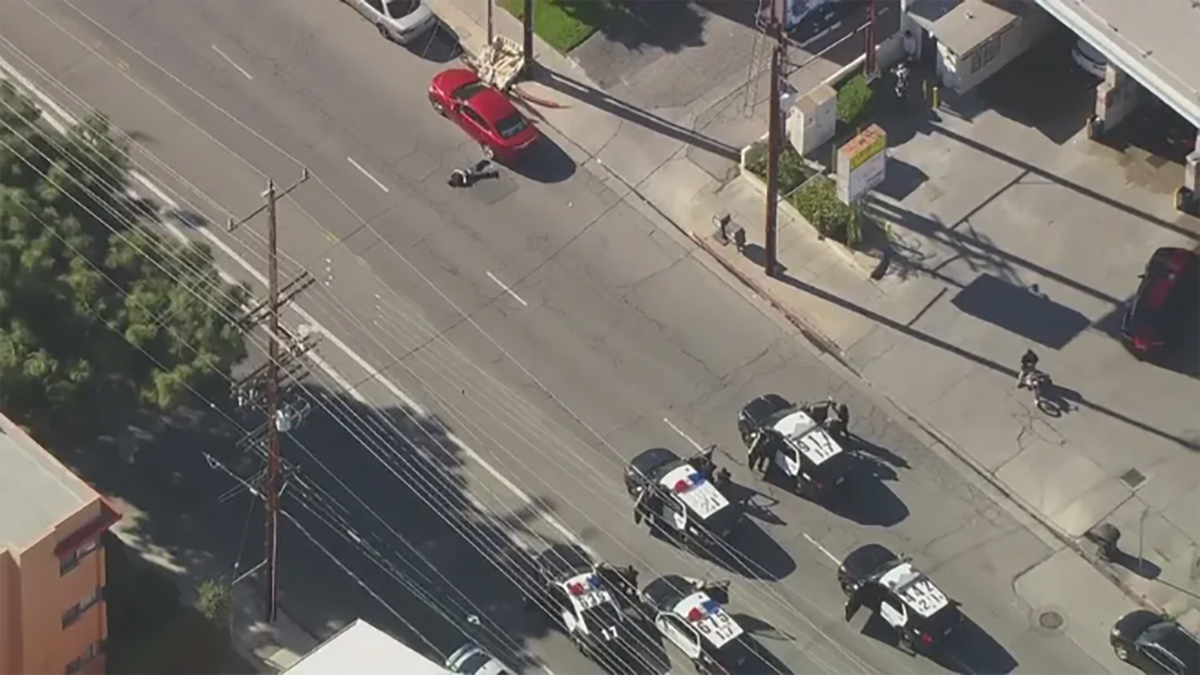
x: 751, y: 563
x: 532, y: 592
x: 522, y: 401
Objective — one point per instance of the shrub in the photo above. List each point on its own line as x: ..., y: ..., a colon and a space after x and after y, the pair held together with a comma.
x: 854, y: 100
x: 756, y: 159
x: 792, y: 170
x: 214, y: 600
x: 818, y: 202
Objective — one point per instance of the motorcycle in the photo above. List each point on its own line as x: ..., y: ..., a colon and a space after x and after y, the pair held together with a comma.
x: 901, y: 72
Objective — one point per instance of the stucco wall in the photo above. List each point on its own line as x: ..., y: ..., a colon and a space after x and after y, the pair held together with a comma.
x: 10, y: 616
x: 46, y: 594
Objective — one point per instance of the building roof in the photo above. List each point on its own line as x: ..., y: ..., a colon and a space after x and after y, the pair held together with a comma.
x: 1154, y: 42
x: 36, y: 491
x: 363, y: 648
x: 970, y: 24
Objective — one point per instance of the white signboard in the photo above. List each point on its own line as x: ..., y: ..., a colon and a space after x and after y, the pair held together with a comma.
x: 862, y: 164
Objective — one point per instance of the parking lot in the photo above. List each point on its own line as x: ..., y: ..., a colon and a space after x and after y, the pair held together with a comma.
x: 1014, y: 231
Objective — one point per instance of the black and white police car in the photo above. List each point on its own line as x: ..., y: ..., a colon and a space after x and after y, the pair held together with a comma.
x: 701, y: 628
x: 905, y: 598
x: 797, y: 445
x: 575, y: 596
x: 679, y: 498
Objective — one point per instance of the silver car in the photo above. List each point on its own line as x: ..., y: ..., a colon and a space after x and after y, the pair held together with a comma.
x: 397, y: 20
x: 472, y: 660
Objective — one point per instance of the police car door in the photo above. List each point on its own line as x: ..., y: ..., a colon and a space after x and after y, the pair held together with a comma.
x: 679, y: 633
x: 566, y: 610
x: 787, y: 458
x: 894, y: 613
x: 674, y: 511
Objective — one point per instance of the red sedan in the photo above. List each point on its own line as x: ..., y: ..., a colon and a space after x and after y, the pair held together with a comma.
x: 484, y: 113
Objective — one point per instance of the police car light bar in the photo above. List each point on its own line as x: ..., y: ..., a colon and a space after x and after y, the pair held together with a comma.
x: 706, y: 608
x: 593, y: 583
x: 685, y: 484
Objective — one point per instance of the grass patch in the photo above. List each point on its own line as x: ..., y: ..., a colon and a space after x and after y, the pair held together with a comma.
x: 149, y: 630
x: 565, y: 24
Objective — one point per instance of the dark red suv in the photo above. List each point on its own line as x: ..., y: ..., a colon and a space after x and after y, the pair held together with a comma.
x: 1166, y: 301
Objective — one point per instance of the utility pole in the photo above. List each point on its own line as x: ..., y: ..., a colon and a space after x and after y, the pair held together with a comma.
x: 274, y: 459
x: 491, y: 7
x: 774, y: 138
x: 869, y: 66
x: 527, y: 48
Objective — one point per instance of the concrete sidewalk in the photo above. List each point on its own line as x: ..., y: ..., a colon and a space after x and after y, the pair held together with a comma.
x: 1125, y: 454
x: 264, y: 647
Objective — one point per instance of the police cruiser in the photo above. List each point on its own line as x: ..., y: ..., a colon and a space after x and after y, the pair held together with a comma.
x: 578, y: 599
x: 701, y: 628
x: 906, y: 599
x: 677, y: 497
x: 796, y: 444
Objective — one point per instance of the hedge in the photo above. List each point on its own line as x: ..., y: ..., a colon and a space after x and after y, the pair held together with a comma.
x: 854, y: 100
x: 818, y: 202
x: 792, y: 170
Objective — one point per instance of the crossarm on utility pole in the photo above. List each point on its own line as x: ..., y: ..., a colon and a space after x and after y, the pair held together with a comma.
x: 234, y: 224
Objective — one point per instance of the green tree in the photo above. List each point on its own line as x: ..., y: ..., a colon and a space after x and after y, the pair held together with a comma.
x: 100, y: 311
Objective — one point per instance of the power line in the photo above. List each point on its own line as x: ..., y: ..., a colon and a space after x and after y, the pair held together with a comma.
x: 439, y: 442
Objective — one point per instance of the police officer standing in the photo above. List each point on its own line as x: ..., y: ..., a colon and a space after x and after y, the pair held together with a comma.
x: 757, y: 456
x: 838, y: 423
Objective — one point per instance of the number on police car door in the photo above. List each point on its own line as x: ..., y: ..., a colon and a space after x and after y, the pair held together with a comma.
x: 718, y: 627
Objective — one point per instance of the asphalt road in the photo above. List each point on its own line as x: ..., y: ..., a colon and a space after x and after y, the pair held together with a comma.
x: 612, y: 336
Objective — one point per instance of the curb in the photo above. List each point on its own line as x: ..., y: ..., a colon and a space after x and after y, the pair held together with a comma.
x: 818, y: 339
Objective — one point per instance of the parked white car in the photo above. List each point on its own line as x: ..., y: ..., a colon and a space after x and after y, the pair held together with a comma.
x: 470, y: 659
x: 400, y: 21
x: 1089, y: 59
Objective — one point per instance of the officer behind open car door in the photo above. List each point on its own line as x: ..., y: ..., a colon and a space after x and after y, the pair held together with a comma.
x: 907, y: 600
x: 680, y: 497
x: 804, y: 443
x: 587, y: 601
x: 688, y: 613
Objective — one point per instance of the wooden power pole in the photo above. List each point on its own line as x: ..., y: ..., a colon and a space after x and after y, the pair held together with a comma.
x: 491, y: 31
x: 274, y: 451
x: 774, y: 138
x: 527, y: 47
x: 869, y: 66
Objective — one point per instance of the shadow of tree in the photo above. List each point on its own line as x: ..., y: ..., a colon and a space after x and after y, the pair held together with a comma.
x: 639, y: 25
x: 371, y: 492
